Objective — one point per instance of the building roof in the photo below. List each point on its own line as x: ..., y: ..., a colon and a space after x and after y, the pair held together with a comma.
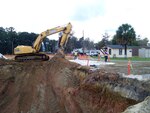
x: 122, y: 47
x: 128, y: 47
x: 146, y: 47
x: 117, y: 46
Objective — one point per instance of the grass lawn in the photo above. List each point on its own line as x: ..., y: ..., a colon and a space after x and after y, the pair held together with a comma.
x: 132, y: 58
x: 125, y: 59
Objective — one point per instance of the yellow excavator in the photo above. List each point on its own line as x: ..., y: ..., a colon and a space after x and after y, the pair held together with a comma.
x: 23, y: 53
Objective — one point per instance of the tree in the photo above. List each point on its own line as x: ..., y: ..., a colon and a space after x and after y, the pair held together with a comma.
x: 74, y: 43
x: 105, y: 39
x: 103, y: 42
x: 88, y: 44
x: 125, y: 35
x: 25, y: 38
x: 141, y: 42
x: 3, y: 36
x: 71, y: 44
x: 53, y: 44
x: 80, y: 42
x: 11, y: 39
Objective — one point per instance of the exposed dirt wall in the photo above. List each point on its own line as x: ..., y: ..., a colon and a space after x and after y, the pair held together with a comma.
x: 57, y: 86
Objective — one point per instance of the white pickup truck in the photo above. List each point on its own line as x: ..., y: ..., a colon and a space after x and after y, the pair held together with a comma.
x: 93, y: 53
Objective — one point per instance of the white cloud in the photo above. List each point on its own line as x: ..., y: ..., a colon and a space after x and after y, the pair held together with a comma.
x: 133, y: 12
x: 100, y: 16
x: 88, y: 10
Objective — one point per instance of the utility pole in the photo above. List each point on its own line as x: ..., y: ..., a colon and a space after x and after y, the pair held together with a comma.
x: 83, y: 34
x: 83, y: 41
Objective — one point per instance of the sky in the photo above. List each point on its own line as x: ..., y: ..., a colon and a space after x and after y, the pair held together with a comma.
x: 93, y: 17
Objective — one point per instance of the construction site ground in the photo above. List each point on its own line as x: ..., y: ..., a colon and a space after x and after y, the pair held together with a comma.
x: 61, y: 85
x: 121, y: 66
x: 137, y: 67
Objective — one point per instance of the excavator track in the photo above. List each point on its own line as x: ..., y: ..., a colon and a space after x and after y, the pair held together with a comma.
x: 35, y: 56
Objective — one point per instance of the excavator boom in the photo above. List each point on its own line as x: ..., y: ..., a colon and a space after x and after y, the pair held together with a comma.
x: 65, y: 29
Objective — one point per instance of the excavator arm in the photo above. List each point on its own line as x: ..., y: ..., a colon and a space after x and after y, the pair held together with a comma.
x: 64, y: 38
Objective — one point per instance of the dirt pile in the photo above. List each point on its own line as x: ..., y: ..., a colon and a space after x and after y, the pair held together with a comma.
x: 142, y: 107
x: 59, y: 86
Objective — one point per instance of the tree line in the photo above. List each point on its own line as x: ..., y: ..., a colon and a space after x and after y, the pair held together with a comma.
x: 9, y: 39
x: 125, y: 35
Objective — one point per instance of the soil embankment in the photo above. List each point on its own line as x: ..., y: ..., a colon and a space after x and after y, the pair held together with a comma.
x: 59, y: 86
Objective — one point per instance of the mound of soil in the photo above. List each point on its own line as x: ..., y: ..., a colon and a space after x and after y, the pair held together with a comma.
x: 58, y: 86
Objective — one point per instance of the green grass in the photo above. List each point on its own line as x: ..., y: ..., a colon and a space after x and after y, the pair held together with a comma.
x: 126, y: 59
x: 132, y: 58
x: 139, y: 59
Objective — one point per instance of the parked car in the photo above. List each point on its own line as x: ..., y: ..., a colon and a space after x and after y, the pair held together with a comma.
x: 92, y: 53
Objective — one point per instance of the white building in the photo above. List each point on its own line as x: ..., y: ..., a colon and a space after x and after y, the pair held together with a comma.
x: 118, y: 51
x: 144, y: 52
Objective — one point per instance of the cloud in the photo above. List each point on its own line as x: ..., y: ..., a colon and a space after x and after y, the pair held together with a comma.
x: 94, y: 17
x: 133, y: 12
x: 87, y: 10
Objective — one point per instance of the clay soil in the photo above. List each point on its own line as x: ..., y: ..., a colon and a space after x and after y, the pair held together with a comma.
x: 57, y: 86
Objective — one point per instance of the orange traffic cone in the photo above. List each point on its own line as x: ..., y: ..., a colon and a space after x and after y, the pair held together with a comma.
x: 129, y: 67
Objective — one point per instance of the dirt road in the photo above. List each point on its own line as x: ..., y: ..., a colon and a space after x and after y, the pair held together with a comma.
x: 137, y: 67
